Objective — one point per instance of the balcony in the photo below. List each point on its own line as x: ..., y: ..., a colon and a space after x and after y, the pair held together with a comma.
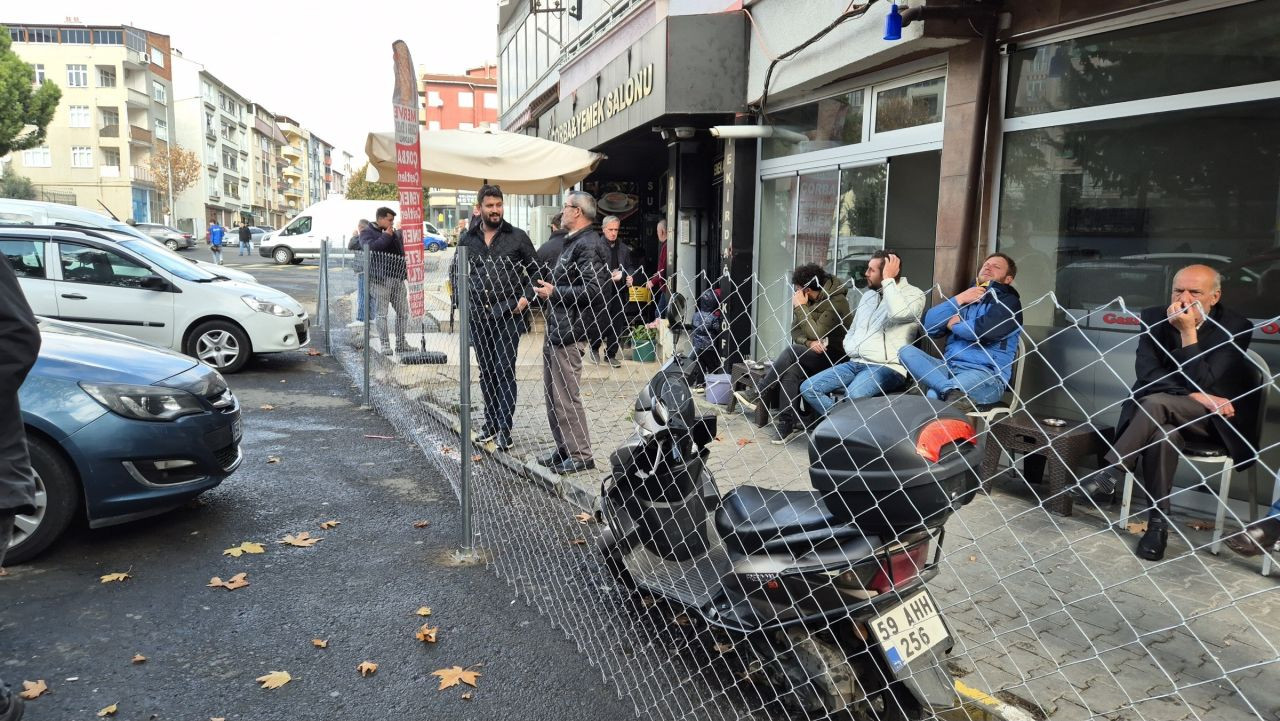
x: 293, y: 192
x: 212, y: 166
x: 141, y: 174
x: 139, y: 136
x: 290, y: 151
x: 215, y: 194
x: 138, y: 99
x: 292, y: 170
x: 136, y: 60
x: 109, y: 131
x: 290, y: 129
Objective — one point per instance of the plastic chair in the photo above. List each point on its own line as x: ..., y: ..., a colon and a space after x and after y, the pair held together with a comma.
x: 988, y: 413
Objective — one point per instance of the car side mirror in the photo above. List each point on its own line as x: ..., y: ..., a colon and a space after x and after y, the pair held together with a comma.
x: 155, y: 282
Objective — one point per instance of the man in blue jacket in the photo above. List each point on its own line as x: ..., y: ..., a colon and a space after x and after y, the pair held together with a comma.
x: 215, y: 240
x: 984, y: 322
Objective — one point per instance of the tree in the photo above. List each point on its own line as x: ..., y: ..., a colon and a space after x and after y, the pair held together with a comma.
x: 361, y: 189
x: 25, y: 111
x: 16, y: 186
x: 186, y: 171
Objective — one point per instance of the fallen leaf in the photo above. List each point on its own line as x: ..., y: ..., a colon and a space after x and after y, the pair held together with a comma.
x: 314, y: 352
x: 266, y: 407
x: 32, y: 690
x: 466, y: 696
x: 681, y: 620
x: 3, y: 572
x: 972, y: 559
x: 329, y: 524
x: 1200, y: 525
x: 115, y: 577
x: 724, y: 647
x: 577, y: 541
x: 217, y: 718
x: 1136, y: 527
x: 450, y: 677
x: 446, y: 450
x: 477, y: 458
x: 647, y: 601
x: 744, y: 441
x: 367, y: 667
x: 421, y: 524
x: 719, y: 438
x: 237, y: 581
x: 302, y: 540
x: 378, y: 437
x: 585, y: 518
x: 108, y: 711
x: 273, y: 459
x: 139, y: 658
x: 275, y: 679
x: 427, y: 634
x: 243, y: 548
x: 424, y: 611
x: 320, y: 642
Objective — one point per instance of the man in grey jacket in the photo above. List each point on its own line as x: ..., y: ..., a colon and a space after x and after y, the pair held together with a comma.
x: 885, y: 321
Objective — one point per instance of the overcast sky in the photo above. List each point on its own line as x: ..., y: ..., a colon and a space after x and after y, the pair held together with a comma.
x: 329, y: 69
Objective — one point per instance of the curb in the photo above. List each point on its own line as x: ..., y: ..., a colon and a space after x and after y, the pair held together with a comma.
x: 978, y: 705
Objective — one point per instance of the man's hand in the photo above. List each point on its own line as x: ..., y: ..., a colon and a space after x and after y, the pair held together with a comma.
x: 952, y: 321
x: 649, y: 284
x: 972, y: 295
x: 892, y: 267
x: 521, y: 305
x: 799, y: 298
x: 631, y: 280
x: 543, y: 289
x: 1215, y: 404
x: 1182, y: 316
x: 817, y: 346
x: 616, y: 276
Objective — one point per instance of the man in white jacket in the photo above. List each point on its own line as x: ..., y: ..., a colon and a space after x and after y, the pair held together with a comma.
x: 886, y: 320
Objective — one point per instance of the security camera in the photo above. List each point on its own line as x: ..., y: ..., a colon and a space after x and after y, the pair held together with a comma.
x: 684, y: 132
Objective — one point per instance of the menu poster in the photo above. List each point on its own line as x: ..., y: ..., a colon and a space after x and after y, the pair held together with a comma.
x: 409, y: 174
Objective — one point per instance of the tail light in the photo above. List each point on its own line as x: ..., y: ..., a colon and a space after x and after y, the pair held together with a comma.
x: 938, y: 433
x: 901, y: 568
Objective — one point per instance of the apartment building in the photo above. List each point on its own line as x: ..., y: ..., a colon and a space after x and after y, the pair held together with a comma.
x: 457, y: 102
x: 266, y: 157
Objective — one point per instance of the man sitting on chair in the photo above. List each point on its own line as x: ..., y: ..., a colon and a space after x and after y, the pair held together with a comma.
x: 1194, y: 386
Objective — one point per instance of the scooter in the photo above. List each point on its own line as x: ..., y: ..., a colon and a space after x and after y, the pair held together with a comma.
x: 826, y: 586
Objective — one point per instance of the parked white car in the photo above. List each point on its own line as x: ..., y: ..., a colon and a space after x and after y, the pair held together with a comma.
x: 335, y: 219
x: 142, y: 290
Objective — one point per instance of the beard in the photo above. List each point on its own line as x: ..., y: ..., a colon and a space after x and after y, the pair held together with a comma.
x: 492, y: 224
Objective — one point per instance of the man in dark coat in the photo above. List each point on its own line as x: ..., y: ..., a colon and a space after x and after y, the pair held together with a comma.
x: 575, y: 282
x: 502, y: 270
x: 1195, y: 386
x: 387, y: 272
x: 611, y: 315
x: 19, y: 346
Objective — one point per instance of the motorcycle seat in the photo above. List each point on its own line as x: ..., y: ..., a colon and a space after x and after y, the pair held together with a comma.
x: 758, y: 519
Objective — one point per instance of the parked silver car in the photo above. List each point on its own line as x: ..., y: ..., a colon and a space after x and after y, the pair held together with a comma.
x: 172, y: 237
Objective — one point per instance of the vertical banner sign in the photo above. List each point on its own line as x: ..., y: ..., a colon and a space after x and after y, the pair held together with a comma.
x: 409, y: 173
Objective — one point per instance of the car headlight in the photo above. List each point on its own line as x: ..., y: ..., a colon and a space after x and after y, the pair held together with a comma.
x: 144, y: 403
x: 266, y: 306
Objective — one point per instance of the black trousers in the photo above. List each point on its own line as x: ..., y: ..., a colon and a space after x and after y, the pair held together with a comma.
x: 608, y: 327
x: 792, y: 367
x: 17, y: 479
x: 1151, y: 444
x: 496, y: 341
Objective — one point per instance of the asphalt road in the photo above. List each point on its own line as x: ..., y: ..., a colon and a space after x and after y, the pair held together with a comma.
x: 358, y: 588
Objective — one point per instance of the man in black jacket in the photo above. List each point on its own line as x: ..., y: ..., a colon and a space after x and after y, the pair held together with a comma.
x: 387, y: 273
x: 1194, y: 385
x: 611, y: 314
x: 19, y: 346
x: 502, y: 271
x: 575, y: 281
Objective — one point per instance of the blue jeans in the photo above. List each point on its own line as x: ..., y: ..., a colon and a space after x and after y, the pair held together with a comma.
x: 858, y: 380
x: 246, y: 247
x: 216, y: 250
x: 982, y: 385
x: 360, y: 307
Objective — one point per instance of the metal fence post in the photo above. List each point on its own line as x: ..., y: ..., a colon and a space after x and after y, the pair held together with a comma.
x: 368, y: 318
x: 324, y: 297
x: 461, y: 292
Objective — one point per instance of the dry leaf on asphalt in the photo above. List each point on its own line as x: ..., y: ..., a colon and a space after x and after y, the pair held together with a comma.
x: 450, y: 677
x: 477, y: 458
x: 275, y: 679
x: 273, y: 459
x: 115, y: 577
x: 139, y: 658
x: 1136, y: 527
x: 314, y: 352
x: 427, y: 634
x: 724, y: 647
x: 302, y: 540
x: 329, y: 524
x: 243, y: 548
x: 217, y: 718
x: 320, y: 642
x: 577, y: 541
x: 585, y: 518
x: 237, y: 581
x: 446, y: 450
x: 1200, y: 525
x: 108, y: 711
x: 266, y: 407
x: 32, y: 690
x: 424, y: 611
x: 744, y: 441
x: 367, y: 667
x: 421, y: 524
x: 972, y: 559
x: 647, y: 601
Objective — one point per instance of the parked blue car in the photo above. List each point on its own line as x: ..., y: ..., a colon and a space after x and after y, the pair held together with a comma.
x: 119, y: 429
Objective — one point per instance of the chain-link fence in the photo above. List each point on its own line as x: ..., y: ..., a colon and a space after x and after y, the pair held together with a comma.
x: 756, y: 501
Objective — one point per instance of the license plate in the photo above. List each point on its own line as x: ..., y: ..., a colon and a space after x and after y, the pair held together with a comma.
x: 909, y: 629
x: 237, y: 429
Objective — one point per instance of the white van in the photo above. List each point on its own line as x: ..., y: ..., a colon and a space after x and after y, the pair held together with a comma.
x: 335, y: 219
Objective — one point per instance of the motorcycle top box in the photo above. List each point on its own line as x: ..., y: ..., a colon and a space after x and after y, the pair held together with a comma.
x: 892, y: 463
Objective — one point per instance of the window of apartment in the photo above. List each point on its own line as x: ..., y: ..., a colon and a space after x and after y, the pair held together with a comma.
x: 15, y: 34
x: 160, y: 93
x: 230, y: 158
x: 77, y: 76
x: 37, y: 158
x: 78, y: 116
x: 81, y: 156
x: 228, y: 131
x: 108, y: 117
x: 42, y: 35
x: 910, y: 106
x: 162, y: 130
x: 465, y: 126
x: 827, y: 123
x: 491, y: 101
x: 108, y: 37
x: 433, y: 125
x: 230, y: 187
x: 75, y: 36
x: 39, y: 68
x: 433, y: 99
x: 111, y: 157
x: 466, y: 99
x: 157, y: 57
x: 106, y: 76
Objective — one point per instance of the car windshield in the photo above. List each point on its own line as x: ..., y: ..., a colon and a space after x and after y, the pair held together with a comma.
x: 170, y: 261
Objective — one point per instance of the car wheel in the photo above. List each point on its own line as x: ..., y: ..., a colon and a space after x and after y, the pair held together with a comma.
x: 57, y: 498
x: 171, y: 245
x: 219, y: 344
x: 282, y: 255
x: 433, y: 248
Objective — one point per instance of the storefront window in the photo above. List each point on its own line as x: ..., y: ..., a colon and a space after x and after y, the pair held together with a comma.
x: 860, y: 220
x: 828, y: 123
x: 1224, y: 48
x: 1115, y: 207
x: 816, y: 219
x: 776, y: 254
x: 910, y: 105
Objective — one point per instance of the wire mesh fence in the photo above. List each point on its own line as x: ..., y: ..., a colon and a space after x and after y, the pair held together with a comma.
x: 773, y: 510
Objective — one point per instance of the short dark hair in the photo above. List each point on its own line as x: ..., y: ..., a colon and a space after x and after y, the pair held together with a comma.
x: 809, y: 276
x: 1013, y: 267
x: 384, y: 212
x: 883, y: 255
x: 488, y: 191
x: 557, y: 219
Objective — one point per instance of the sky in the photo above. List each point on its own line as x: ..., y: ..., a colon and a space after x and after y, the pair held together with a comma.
x: 329, y: 69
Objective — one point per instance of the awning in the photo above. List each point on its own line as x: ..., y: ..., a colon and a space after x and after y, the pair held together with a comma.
x: 465, y: 159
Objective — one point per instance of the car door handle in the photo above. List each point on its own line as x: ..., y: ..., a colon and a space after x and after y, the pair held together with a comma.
x: 75, y: 296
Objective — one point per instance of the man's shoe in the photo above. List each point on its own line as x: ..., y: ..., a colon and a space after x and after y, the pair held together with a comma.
x: 1152, y: 544
x: 386, y: 350
x: 573, y: 465
x: 550, y: 460
x: 959, y: 400
x: 1099, y: 485
x: 784, y: 431
x: 745, y: 400
x: 593, y: 356
x: 615, y: 363
x: 504, y: 440
x: 486, y: 435
x: 699, y: 388
x: 1258, y: 537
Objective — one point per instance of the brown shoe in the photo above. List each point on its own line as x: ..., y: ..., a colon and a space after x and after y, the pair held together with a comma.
x: 1257, y: 537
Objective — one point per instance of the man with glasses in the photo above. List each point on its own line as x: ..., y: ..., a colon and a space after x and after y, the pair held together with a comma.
x: 575, y: 281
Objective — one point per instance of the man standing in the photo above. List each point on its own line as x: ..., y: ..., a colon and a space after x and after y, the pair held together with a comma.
x: 657, y: 282
x: 246, y: 239
x: 19, y: 346
x: 215, y: 240
x: 576, y: 280
x: 884, y: 323
x: 611, y: 313
x: 1194, y: 384
x: 387, y: 272
x: 359, y: 265
x: 985, y: 322
x: 502, y: 268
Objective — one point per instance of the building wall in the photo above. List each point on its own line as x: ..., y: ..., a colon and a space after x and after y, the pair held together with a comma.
x: 213, y: 123
x: 442, y: 99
